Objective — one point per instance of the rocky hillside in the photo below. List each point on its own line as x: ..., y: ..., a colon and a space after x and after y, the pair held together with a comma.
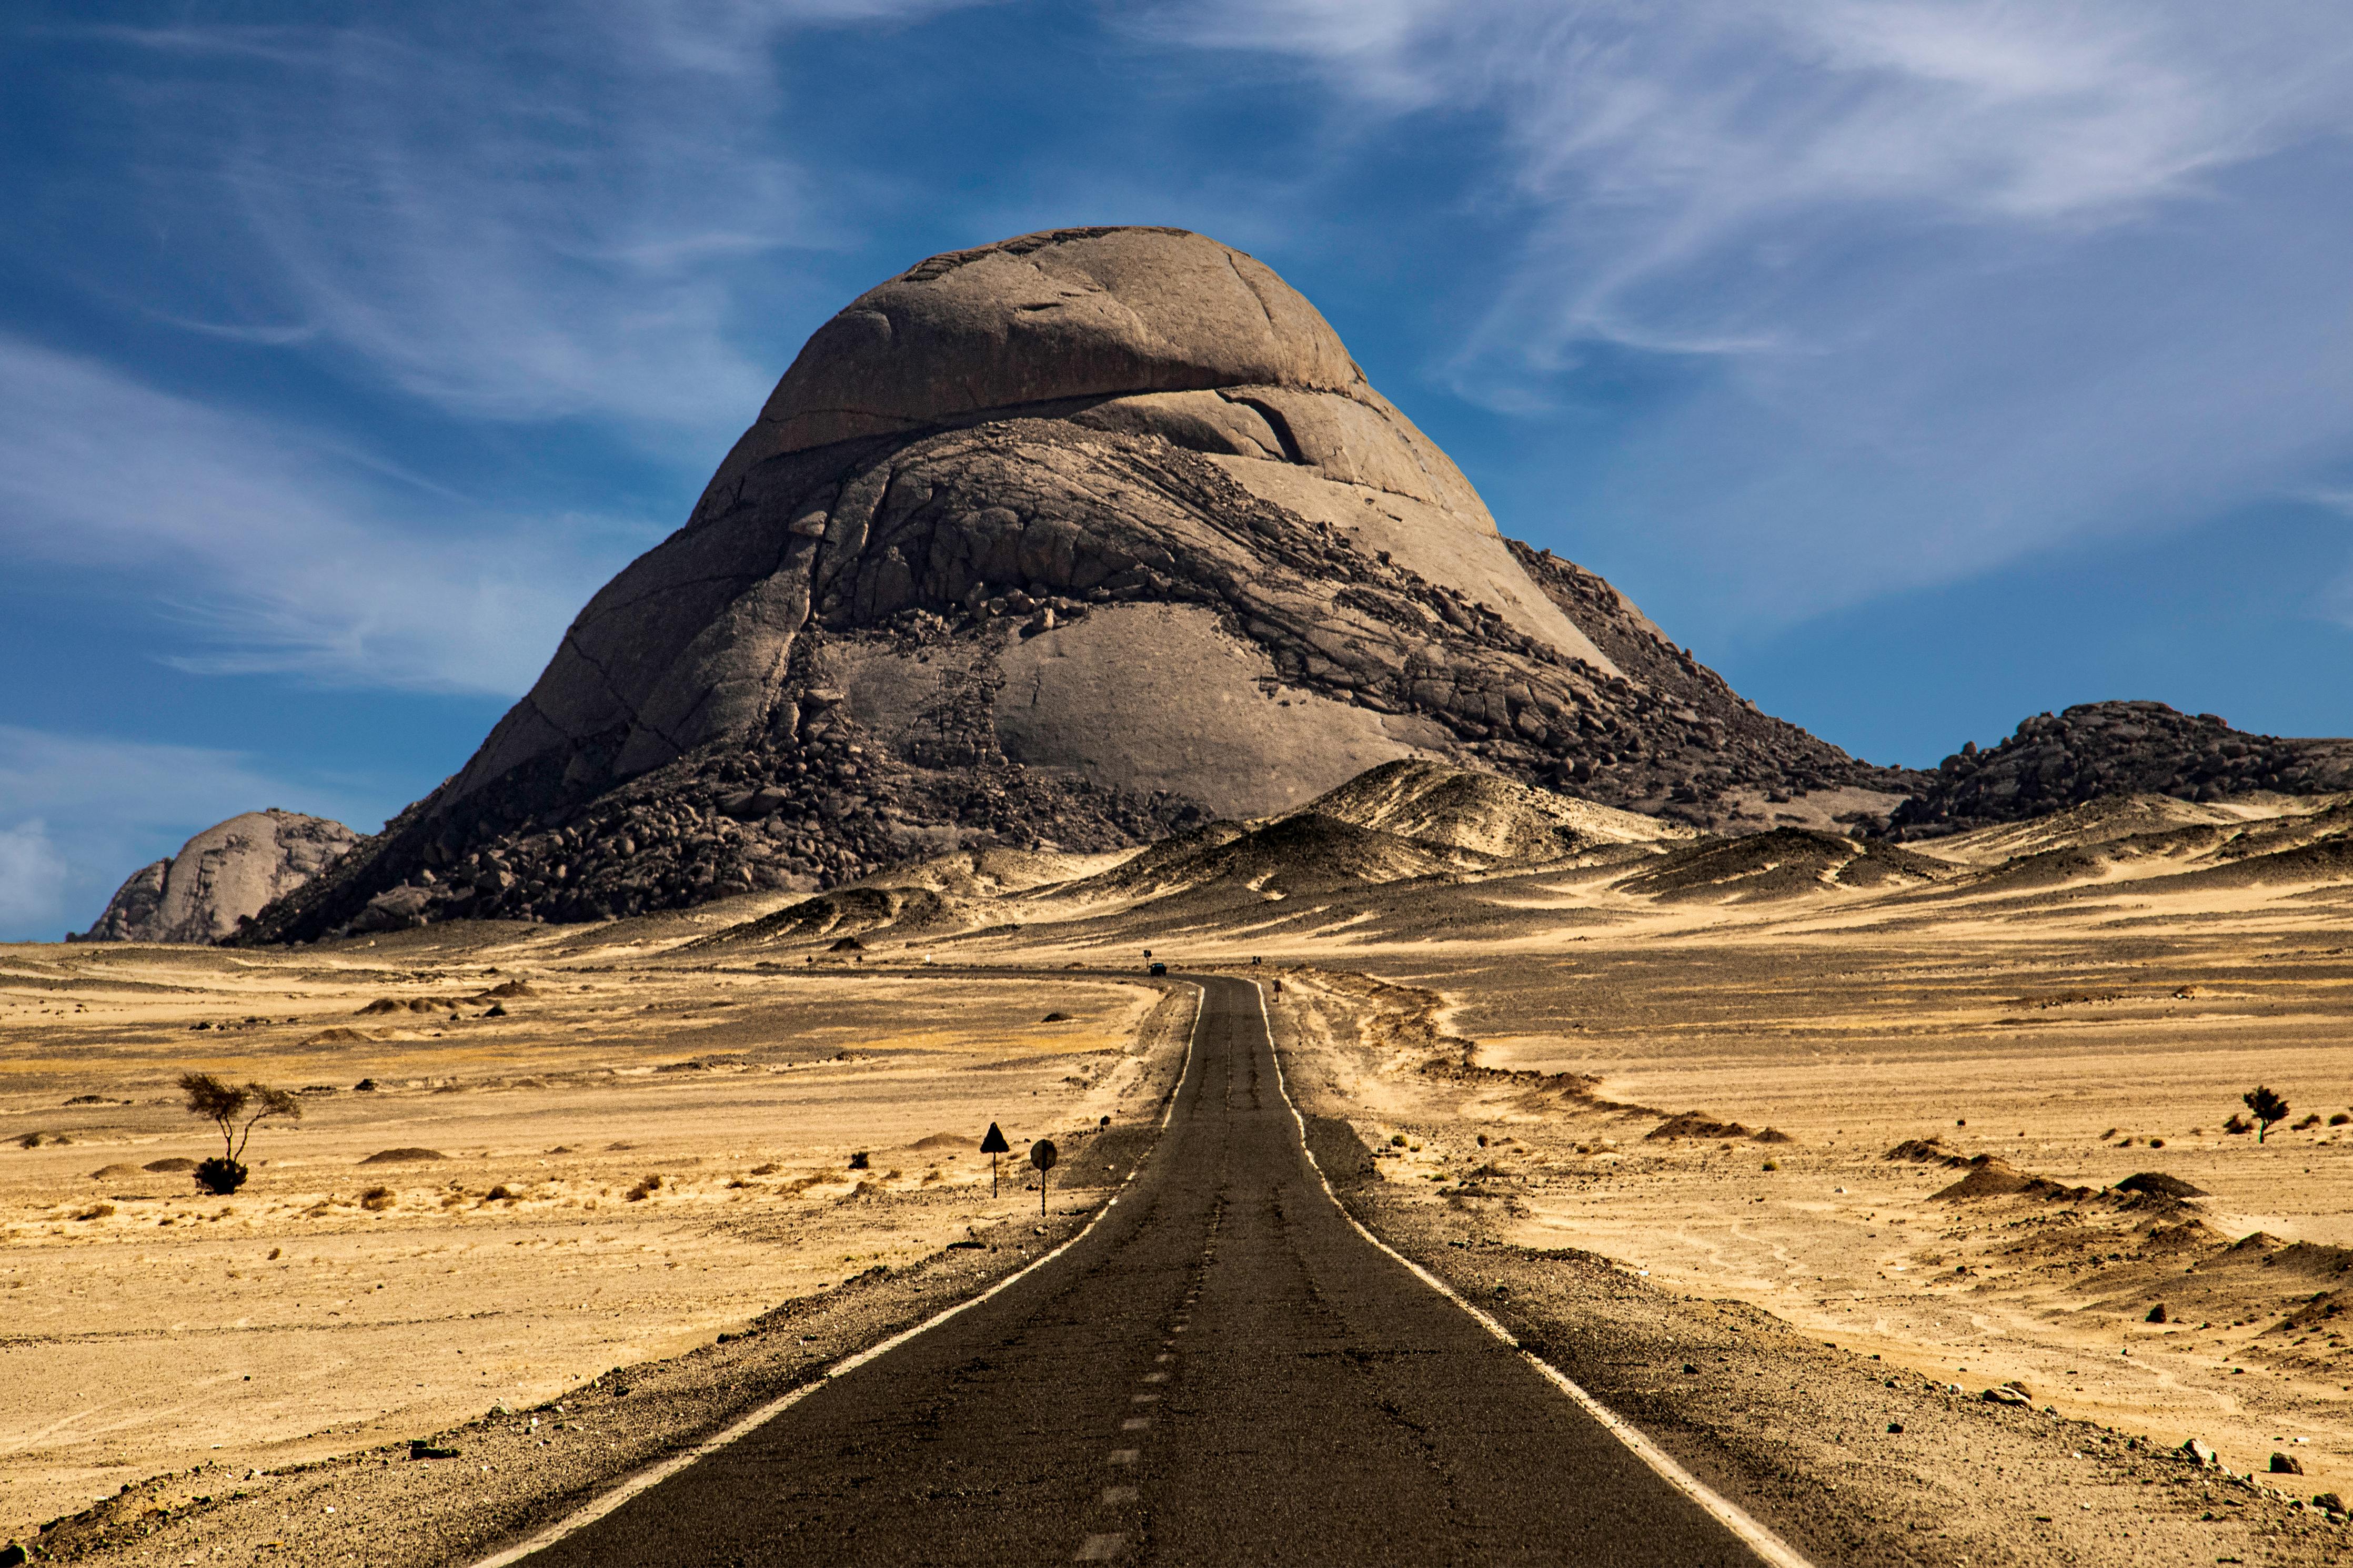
x: 2104, y: 749
x: 1067, y: 542
x: 223, y: 875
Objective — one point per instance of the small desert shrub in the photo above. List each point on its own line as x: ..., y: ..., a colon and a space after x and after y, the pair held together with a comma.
x: 2339, y: 1120
x: 647, y: 1186
x: 858, y: 1161
x: 96, y: 1211
x: 1397, y: 1140
x: 220, y: 1177
x: 2238, y: 1124
x: 2311, y: 1120
x: 375, y: 1200
x: 767, y: 1170
x: 2156, y: 1142
x: 501, y: 1194
x: 1772, y: 1165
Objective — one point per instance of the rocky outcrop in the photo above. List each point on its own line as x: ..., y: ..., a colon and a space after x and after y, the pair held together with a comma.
x: 223, y: 875
x: 2103, y: 749
x: 1069, y: 542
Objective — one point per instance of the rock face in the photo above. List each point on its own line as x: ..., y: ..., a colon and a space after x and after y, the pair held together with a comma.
x: 2101, y: 749
x: 225, y: 874
x: 1067, y: 542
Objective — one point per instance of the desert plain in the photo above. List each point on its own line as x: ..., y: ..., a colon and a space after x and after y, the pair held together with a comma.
x: 1886, y: 1128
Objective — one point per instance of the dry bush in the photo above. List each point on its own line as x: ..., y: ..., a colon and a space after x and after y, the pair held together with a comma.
x: 375, y: 1200
x: 501, y: 1194
x: 647, y: 1186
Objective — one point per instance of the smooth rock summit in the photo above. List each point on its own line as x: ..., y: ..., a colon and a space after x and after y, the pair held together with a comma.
x: 1065, y: 542
x: 225, y: 874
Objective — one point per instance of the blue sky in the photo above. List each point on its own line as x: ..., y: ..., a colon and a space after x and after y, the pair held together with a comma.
x: 1923, y: 364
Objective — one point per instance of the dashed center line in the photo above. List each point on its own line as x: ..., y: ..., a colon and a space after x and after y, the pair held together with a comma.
x: 1155, y: 1377
x: 1115, y: 1496
x: 1100, y: 1548
x: 1135, y: 1423
x: 1126, y: 1456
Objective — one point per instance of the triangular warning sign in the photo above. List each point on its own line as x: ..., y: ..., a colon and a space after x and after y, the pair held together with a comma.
x: 994, y: 1142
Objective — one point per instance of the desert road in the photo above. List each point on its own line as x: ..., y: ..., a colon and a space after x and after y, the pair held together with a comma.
x: 1223, y: 1371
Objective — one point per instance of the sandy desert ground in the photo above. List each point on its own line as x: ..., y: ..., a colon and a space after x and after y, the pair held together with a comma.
x: 1511, y: 1056
x: 634, y: 1156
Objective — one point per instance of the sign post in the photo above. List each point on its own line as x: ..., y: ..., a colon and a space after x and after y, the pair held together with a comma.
x: 993, y: 1145
x: 1042, y: 1155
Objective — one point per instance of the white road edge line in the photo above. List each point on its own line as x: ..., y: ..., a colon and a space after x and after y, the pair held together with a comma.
x: 1730, y: 1514
x: 654, y: 1475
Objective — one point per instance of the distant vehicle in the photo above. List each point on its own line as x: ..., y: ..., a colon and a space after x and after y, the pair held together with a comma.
x: 1159, y: 969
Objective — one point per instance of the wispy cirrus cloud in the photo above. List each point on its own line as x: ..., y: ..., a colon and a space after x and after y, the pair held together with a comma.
x: 520, y: 214
x: 1944, y: 281
x: 279, y: 550
x: 80, y: 813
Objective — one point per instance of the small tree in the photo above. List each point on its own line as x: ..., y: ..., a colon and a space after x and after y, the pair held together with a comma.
x: 2266, y: 1109
x: 226, y: 1106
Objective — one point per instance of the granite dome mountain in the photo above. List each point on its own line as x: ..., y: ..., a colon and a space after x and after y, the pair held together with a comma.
x: 1071, y: 541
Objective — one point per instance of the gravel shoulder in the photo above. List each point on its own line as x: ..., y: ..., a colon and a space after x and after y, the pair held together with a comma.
x: 462, y: 1490
x: 1851, y: 1457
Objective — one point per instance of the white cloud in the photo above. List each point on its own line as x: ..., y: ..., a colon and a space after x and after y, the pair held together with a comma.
x: 515, y: 212
x: 281, y: 552
x: 78, y: 813
x: 1946, y: 281
x: 32, y: 877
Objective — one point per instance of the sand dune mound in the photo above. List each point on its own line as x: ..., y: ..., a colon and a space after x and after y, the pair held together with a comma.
x: 1484, y: 813
x: 1991, y: 1177
x: 1066, y: 543
x: 1695, y: 1124
x: 409, y: 1156
x: 844, y: 914
x: 1306, y: 851
x: 1785, y: 863
x: 164, y: 1167
x: 2104, y: 821
x: 383, y: 1006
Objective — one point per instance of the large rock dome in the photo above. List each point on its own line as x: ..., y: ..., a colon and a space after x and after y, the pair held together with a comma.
x: 1067, y: 539
x: 222, y: 877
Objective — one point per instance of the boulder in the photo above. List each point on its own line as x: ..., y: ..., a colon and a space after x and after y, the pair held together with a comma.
x: 226, y: 873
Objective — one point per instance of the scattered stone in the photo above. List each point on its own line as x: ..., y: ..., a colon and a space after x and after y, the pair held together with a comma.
x: 2156, y: 1314
x: 2009, y: 1393
x: 2157, y: 1184
x: 2195, y: 1451
x: 2286, y: 1465
x: 423, y: 1448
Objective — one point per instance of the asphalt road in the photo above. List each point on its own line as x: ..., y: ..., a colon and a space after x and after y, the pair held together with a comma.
x: 1223, y: 1371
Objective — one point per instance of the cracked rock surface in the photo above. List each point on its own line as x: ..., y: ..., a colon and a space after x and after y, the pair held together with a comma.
x: 1071, y: 542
